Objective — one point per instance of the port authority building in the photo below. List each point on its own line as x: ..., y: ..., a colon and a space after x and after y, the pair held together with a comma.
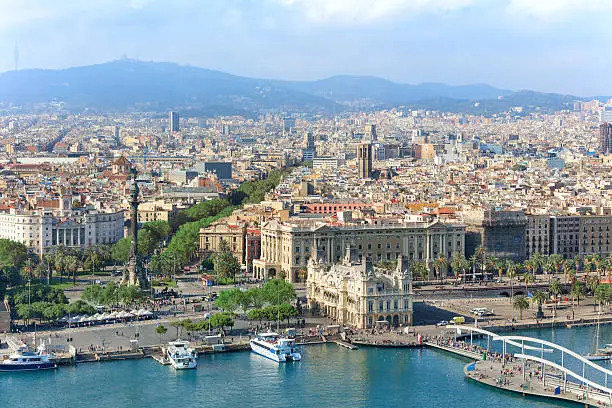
x: 288, y: 246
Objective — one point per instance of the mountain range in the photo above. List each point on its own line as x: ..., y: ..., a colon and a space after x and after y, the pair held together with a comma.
x: 130, y: 85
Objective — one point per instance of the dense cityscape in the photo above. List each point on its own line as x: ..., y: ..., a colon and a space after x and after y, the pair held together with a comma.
x: 172, y: 230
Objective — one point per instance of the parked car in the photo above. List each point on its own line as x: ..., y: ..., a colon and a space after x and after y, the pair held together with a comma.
x: 442, y: 323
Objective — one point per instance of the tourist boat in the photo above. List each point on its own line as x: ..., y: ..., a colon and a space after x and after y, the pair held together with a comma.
x: 182, y: 356
x: 277, y: 348
x: 24, y: 360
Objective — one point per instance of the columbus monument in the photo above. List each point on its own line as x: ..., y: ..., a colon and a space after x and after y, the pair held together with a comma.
x: 135, y: 273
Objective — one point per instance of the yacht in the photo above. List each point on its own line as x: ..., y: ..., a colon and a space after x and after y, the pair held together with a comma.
x: 600, y: 354
x: 24, y: 360
x: 182, y: 356
x: 277, y: 348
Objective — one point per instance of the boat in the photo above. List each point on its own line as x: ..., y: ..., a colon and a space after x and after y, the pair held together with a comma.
x: 600, y: 354
x: 271, y: 345
x: 181, y: 356
x: 24, y: 360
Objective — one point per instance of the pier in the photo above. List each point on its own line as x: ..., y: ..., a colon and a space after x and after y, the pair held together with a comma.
x: 346, y: 345
x: 531, y: 374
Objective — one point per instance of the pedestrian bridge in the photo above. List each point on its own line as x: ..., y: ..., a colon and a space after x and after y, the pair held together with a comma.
x: 569, y: 370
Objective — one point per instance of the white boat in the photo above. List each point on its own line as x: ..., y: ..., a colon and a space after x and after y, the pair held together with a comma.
x: 600, y: 354
x: 24, y: 360
x: 182, y: 356
x: 273, y: 346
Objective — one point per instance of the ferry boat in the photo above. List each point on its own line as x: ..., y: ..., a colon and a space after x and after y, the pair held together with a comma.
x: 24, y: 360
x: 182, y: 356
x: 277, y: 348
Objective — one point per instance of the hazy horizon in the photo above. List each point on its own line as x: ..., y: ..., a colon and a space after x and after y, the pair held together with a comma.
x: 549, y: 46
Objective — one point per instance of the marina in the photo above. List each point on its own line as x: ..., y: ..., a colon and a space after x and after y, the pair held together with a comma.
x: 373, y: 376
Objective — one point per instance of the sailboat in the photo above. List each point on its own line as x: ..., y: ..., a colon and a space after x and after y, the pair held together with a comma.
x: 600, y: 354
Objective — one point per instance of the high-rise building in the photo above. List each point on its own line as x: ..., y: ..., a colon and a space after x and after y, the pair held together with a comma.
x: 288, y: 125
x: 174, y: 122
x: 364, y: 160
x: 605, y: 137
x: 370, y: 131
x: 309, y: 151
x: 225, y: 130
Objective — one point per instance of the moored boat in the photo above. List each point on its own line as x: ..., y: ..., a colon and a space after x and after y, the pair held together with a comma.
x: 273, y: 346
x: 182, y: 356
x: 24, y: 360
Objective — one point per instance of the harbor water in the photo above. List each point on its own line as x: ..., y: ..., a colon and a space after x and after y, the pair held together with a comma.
x: 328, y: 375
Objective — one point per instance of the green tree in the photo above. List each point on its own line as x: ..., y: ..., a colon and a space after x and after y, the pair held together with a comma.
x: 161, y: 330
x: 419, y: 269
x: 257, y: 297
x: 603, y: 295
x: 228, y: 300
x: 440, y: 264
x: 12, y: 253
x: 539, y: 298
x: 512, y: 269
x: 279, y: 291
x: 225, y: 263
x: 120, y: 252
x: 520, y: 303
x: 256, y: 314
x: 221, y: 320
x: 528, y: 278
x: 577, y: 291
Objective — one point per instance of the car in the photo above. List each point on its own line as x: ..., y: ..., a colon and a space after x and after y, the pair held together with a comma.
x: 442, y: 323
x: 478, y: 310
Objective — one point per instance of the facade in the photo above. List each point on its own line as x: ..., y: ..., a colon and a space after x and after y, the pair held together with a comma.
x: 332, y: 208
x: 288, y: 246
x: 565, y: 235
x: 595, y: 235
x: 354, y: 292
x: 233, y: 234
x: 537, y: 235
x: 500, y: 232
x: 605, y: 137
x: 41, y: 230
x: 326, y: 163
x: 364, y: 160
x: 173, y: 122
x: 157, y: 211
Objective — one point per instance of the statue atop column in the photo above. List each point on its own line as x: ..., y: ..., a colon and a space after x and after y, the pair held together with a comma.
x: 135, y: 271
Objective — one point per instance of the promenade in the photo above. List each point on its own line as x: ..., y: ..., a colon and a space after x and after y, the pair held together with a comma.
x: 510, y: 378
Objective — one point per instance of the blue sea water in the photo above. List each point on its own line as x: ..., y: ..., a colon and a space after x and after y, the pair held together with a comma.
x: 328, y: 376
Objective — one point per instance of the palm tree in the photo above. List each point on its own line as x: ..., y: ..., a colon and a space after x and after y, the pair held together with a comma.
x: 592, y: 282
x: 569, y: 270
x: 520, y: 303
x: 511, y: 271
x: 161, y: 330
x: 500, y: 265
x: 419, y: 269
x: 555, y: 289
x: 538, y: 261
x: 528, y: 278
x: 440, y: 264
x: 577, y: 291
x: 556, y: 262
x: 539, y: 298
x: 458, y: 263
x: 72, y: 265
x: 479, y: 259
x: 59, y: 262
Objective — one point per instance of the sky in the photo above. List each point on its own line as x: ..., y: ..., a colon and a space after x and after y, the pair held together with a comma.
x: 545, y: 45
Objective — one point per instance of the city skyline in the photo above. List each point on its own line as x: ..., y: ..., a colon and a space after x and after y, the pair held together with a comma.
x: 508, y: 44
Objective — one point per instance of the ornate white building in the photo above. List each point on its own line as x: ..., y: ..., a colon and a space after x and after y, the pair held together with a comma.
x: 354, y: 292
x: 43, y: 229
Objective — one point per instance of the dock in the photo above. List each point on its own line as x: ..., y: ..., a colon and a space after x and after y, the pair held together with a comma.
x: 161, y: 359
x: 346, y: 345
x: 481, y: 372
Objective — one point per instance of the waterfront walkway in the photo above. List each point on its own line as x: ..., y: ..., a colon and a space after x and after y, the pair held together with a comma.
x: 510, y: 378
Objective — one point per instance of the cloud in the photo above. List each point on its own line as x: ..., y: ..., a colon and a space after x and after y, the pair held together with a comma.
x: 368, y: 11
x: 557, y: 10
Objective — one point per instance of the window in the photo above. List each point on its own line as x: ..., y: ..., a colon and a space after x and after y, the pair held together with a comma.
x: 395, y: 305
x: 370, y: 306
x: 297, y: 249
x: 388, y: 305
x: 380, y: 306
